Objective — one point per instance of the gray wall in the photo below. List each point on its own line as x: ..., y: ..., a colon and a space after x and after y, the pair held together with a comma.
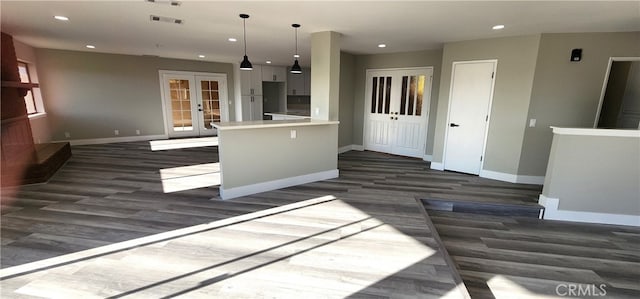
x: 514, y: 77
x: 609, y: 183
x: 428, y: 58
x: 243, y: 152
x: 347, y: 77
x: 566, y: 94
x: 91, y: 94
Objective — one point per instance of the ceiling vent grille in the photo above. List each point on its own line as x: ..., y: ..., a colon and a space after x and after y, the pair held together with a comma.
x: 165, y: 19
x: 172, y: 3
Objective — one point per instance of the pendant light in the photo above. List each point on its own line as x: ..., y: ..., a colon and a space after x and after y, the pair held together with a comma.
x: 296, y: 69
x: 245, y: 65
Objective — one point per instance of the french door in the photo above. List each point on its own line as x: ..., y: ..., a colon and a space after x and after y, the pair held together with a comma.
x: 193, y: 102
x: 396, y: 111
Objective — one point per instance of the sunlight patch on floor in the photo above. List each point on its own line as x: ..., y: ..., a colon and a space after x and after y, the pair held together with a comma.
x: 317, y: 248
x: 190, y: 177
x: 505, y: 288
x: 159, y: 145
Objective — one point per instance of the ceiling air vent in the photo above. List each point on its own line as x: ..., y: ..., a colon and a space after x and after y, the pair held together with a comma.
x: 166, y: 19
x: 172, y: 3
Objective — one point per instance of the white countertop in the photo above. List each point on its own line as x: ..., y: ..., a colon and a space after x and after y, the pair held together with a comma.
x: 290, y: 113
x: 259, y: 124
x: 597, y: 132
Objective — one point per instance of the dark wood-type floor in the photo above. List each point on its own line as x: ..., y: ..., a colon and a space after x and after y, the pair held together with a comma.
x: 116, y: 233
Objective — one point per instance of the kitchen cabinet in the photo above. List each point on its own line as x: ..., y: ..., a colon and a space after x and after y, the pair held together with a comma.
x: 274, y: 73
x: 251, y: 107
x: 299, y: 84
x: 251, y: 81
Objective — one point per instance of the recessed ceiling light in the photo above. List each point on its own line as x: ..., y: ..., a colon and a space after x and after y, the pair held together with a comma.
x: 382, y: 46
x: 61, y: 18
x: 268, y: 61
x: 201, y: 56
x: 90, y: 46
x: 296, y: 56
x: 231, y: 39
x: 497, y: 27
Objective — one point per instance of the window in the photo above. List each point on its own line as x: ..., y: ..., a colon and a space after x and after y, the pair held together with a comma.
x: 29, y: 99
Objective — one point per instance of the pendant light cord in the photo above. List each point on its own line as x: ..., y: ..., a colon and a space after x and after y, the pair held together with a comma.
x: 244, y: 32
x: 296, y: 41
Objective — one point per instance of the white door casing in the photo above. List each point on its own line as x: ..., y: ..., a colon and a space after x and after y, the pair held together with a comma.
x: 468, y: 117
x: 396, y: 110
x: 192, y: 101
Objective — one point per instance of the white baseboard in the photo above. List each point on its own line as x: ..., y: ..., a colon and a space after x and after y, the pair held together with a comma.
x: 427, y: 158
x: 551, y: 212
x: 350, y: 147
x: 437, y: 165
x: 114, y: 139
x: 277, y: 184
x: 512, y: 178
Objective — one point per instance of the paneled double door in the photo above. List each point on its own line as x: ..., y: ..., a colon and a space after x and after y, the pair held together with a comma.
x: 397, y: 111
x: 193, y: 101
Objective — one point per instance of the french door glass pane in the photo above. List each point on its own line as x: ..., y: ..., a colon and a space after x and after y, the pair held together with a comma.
x: 210, y: 103
x: 380, y: 94
x: 420, y: 95
x: 403, y: 96
x: 180, y: 105
x: 412, y: 92
x: 373, y: 94
x: 387, y: 100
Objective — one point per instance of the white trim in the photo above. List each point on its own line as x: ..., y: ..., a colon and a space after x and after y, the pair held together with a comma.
x: 596, y: 132
x: 113, y: 139
x: 37, y: 115
x: 512, y: 178
x: 551, y: 212
x: 437, y: 165
x: 486, y: 129
x: 530, y: 179
x: 606, y: 82
x: 427, y: 158
x: 350, y: 147
x: 277, y: 184
x: 345, y: 149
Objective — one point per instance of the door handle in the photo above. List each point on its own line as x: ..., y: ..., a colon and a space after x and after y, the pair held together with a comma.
x: 453, y: 125
x: 392, y: 118
x: 200, y: 110
x: 396, y: 118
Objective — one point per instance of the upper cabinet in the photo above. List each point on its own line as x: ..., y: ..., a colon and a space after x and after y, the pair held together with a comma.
x: 274, y: 73
x: 251, y: 81
x: 299, y: 84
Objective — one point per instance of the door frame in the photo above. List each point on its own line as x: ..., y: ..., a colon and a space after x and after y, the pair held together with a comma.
x: 224, y: 105
x: 426, y: 115
x: 486, y: 129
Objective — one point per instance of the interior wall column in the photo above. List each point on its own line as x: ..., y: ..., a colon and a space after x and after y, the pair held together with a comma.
x: 325, y: 75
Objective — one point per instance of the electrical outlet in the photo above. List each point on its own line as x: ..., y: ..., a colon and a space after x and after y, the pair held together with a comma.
x: 294, y: 134
x: 317, y: 111
x: 67, y: 135
x: 116, y: 132
x: 532, y: 123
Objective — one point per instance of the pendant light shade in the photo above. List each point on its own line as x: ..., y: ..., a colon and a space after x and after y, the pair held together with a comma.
x: 245, y: 65
x: 296, y: 69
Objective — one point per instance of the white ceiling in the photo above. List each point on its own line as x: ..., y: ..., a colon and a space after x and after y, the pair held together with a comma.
x: 124, y: 26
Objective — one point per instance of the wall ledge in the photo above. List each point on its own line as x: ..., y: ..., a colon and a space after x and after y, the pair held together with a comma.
x: 551, y: 212
x: 596, y: 132
x: 277, y: 184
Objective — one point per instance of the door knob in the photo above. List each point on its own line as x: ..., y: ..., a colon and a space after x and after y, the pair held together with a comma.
x: 453, y: 125
x: 199, y: 109
x: 392, y: 118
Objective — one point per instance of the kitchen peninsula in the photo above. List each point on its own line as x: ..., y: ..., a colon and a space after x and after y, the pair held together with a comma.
x: 258, y: 156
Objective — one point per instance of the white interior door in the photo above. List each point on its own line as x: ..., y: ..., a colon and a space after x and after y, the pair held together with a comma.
x: 469, y: 107
x: 193, y: 102
x: 397, y: 107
